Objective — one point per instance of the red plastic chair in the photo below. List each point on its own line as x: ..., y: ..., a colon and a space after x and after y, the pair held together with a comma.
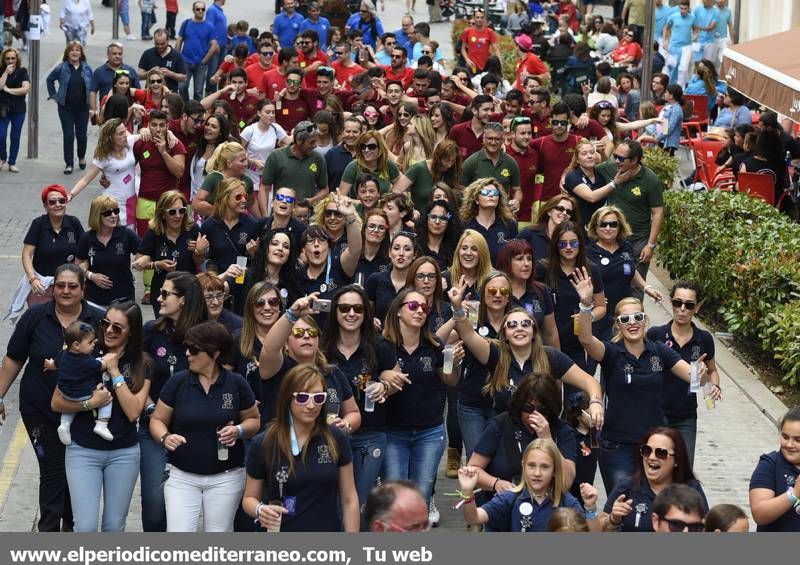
x: 759, y: 185
x: 699, y: 117
x: 705, y: 155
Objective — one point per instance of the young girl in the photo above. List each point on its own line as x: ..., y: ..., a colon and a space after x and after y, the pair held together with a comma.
x: 672, y: 115
x: 527, y: 507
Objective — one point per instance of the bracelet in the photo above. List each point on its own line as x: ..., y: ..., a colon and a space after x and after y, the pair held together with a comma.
x: 459, y: 314
x: 585, y: 308
x: 89, y: 275
x: 351, y: 221
x: 164, y: 438
x: 596, y: 401
x: 118, y: 381
x: 494, y: 484
x: 347, y: 426
x: 150, y: 408
x: 259, y: 506
x: 85, y: 405
x: 613, y: 184
x: 648, y: 286
x: 291, y: 316
x: 241, y: 430
x: 469, y: 500
x: 792, y: 498
x: 385, y: 388
x: 590, y: 514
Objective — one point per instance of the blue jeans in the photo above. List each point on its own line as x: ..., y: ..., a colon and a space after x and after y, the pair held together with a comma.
x: 688, y: 430
x: 196, y: 73
x: 415, y: 456
x: 74, y: 124
x: 16, y: 119
x: 211, y: 68
x: 89, y: 471
x: 151, y: 466
x: 472, y: 422
x: 147, y: 23
x: 369, y: 449
x: 617, y: 461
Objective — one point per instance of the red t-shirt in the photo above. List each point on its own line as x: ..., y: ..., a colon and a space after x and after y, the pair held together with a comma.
x: 477, y: 44
x: 244, y: 110
x: 554, y: 158
x: 627, y: 48
x: 531, y: 64
x: 252, y: 58
x: 572, y: 11
x: 255, y: 74
x: 540, y: 126
x: 466, y: 139
x: 293, y: 112
x: 345, y: 74
x: 156, y: 178
x: 190, y: 144
x: 528, y: 163
x: 406, y: 76
x: 310, y: 78
x: 592, y: 130
x: 272, y: 81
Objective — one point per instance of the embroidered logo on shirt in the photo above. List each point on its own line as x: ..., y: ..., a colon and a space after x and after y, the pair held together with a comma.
x: 120, y: 248
x: 242, y: 238
x: 636, y: 191
x: 505, y: 172
x: 427, y: 363
x: 324, y: 454
x: 333, y: 395
x: 71, y: 237
x: 655, y: 364
x: 227, y: 401
x: 696, y: 352
x: 501, y: 237
x: 312, y: 167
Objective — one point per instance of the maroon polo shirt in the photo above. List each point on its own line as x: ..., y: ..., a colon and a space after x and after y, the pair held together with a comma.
x: 156, y: 178
x: 554, y: 158
x: 466, y: 139
x: 528, y: 164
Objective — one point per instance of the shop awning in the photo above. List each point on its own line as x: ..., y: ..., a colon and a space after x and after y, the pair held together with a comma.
x: 767, y: 70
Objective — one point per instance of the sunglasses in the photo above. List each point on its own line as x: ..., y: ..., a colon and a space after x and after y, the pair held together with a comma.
x: 368, y: 146
x: 345, y: 308
x: 494, y: 291
x: 489, y: 192
x: 514, y: 324
x: 285, y: 198
x: 614, y: 224
x: 370, y: 114
x: 568, y: 211
x: 63, y: 285
x: 199, y: 9
x: 109, y: 213
x: 562, y: 123
x: 192, y: 349
x: 240, y: 197
x: 439, y: 218
x: 165, y: 293
x: 57, y: 201
x: 572, y: 243
x: 156, y: 81
x: 218, y: 297
x: 303, y: 398
x: 198, y: 120
x: 332, y: 214
x: 293, y: 82
x: 376, y: 227
x: 620, y: 158
x: 300, y: 332
x: 339, y: 53
x: 636, y: 318
x: 111, y: 327
x: 177, y: 211
x: 688, y: 304
x: 679, y: 525
x: 413, y: 306
x: 267, y: 53
x: 660, y: 452
x: 272, y: 301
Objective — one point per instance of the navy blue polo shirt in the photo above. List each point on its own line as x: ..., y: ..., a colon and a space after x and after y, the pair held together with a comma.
x: 438, y: 318
x: 312, y: 489
x: 497, y: 234
x: 226, y: 244
x: 37, y: 336
x: 643, y: 498
x: 775, y: 473
x: 474, y: 375
x: 169, y: 357
x: 633, y: 389
x: 538, y: 302
x: 113, y: 260
x: 103, y: 77
x: 247, y: 366
x: 294, y: 228
x: 123, y: 430
x: 337, y: 384
x: 231, y: 321
x: 196, y: 415
x: 160, y: 248
x: 505, y: 516
x: 336, y: 161
x: 420, y: 405
x: 617, y: 271
x: 504, y: 433
x: 586, y: 208
x: 359, y: 375
x: 559, y: 365
x: 565, y: 304
x: 439, y: 257
x: 539, y: 240
x: 470, y: 293
x: 331, y: 278
x: 53, y: 249
x: 381, y: 291
x: 676, y: 400
x: 366, y: 268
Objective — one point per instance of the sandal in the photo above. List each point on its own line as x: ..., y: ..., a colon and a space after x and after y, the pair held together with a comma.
x: 13, y: 168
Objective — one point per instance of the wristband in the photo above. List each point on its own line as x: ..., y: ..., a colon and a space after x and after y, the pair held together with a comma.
x: 494, y: 485
x: 613, y: 184
x: 85, y: 405
x: 652, y: 245
x: 648, y: 286
x: 259, y: 506
x: 164, y: 438
x: 351, y: 221
x: 459, y: 313
x: 291, y: 316
x: 792, y: 498
x: 596, y: 401
x: 116, y: 381
x: 89, y: 275
x: 150, y: 408
x: 241, y: 430
x: 591, y: 514
x: 585, y: 308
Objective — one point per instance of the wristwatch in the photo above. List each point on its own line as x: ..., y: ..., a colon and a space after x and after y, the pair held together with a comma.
x: 652, y: 245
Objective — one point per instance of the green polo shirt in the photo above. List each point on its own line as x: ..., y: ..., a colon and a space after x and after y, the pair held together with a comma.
x: 214, y: 179
x: 635, y: 197
x: 306, y: 176
x: 479, y: 166
x: 351, y: 172
x: 421, y: 187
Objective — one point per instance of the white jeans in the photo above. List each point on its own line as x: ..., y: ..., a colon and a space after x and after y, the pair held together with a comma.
x: 218, y: 496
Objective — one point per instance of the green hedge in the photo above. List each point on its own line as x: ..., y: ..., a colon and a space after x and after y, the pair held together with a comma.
x: 745, y: 255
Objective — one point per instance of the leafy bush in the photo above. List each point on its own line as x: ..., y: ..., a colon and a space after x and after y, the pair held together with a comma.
x: 744, y: 255
x: 664, y: 165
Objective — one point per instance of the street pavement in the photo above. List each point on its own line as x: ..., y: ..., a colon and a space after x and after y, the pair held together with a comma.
x: 730, y: 438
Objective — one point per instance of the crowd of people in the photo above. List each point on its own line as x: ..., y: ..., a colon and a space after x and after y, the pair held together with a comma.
x: 358, y: 261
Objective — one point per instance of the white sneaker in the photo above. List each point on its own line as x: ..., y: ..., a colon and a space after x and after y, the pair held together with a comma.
x: 130, y: 37
x: 101, y: 429
x: 433, y: 514
x: 64, y: 435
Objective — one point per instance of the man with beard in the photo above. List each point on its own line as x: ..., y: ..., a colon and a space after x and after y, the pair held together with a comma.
x: 310, y: 57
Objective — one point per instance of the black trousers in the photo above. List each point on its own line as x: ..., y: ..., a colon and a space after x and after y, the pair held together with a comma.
x: 55, y: 507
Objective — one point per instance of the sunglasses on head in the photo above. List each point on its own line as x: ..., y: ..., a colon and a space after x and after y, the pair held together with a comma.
x: 604, y: 105
x: 303, y: 398
x: 514, y: 324
x: 636, y: 318
x: 273, y: 301
x: 688, y: 304
x: 572, y: 243
x: 192, y: 349
x: 111, y: 327
x: 345, y: 308
x: 285, y: 198
x: 680, y: 526
x: 376, y: 227
x: 56, y: 201
x: 109, y: 213
x: 494, y: 291
x: 325, y: 70
x: 520, y: 121
x: 562, y: 123
x: 177, y: 211
x: 300, y: 332
x: 660, y: 452
x: 568, y: 211
x: 489, y: 192
x: 612, y: 224
x: 122, y: 72
x: 414, y: 305
x: 368, y: 146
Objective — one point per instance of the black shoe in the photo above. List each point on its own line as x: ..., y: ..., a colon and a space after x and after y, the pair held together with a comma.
x: 82, y: 166
x: 68, y: 170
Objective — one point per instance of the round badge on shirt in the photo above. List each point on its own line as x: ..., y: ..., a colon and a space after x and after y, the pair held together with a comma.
x: 526, y: 509
x: 483, y: 331
x: 605, y: 261
x: 323, y: 287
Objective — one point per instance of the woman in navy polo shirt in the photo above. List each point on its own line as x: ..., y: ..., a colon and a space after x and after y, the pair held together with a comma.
x: 52, y: 240
x: 558, y: 209
x: 471, y: 261
x: 105, y: 253
x: 364, y: 358
x: 231, y: 232
x: 39, y: 335
x: 415, y: 423
x: 516, y: 260
x: 300, y: 470
x: 182, y: 307
x: 438, y: 229
x: 375, y: 254
x: 383, y: 287
x: 634, y: 369
x: 215, y: 295
x: 275, y: 261
x: 327, y: 214
x: 664, y: 461
x: 202, y: 417
x: 92, y: 462
x: 294, y: 340
x: 775, y: 484
x: 485, y: 210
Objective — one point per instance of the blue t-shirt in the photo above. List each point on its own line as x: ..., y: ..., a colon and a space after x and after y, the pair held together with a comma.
x: 247, y: 40
x: 724, y: 18
x: 78, y: 374
x: 506, y: 511
x: 287, y: 27
x: 662, y: 13
x: 681, y: 31
x: 216, y: 17
x: 321, y: 26
x: 775, y: 473
x: 703, y: 17
x: 196, y: 39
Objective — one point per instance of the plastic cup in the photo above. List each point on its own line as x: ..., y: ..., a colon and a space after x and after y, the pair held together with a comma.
x: 242, y: 262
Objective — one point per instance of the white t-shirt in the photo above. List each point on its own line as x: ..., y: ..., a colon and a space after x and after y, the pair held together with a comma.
x: 196, y: 174
x: 259, y: 145
x: 121, y: 173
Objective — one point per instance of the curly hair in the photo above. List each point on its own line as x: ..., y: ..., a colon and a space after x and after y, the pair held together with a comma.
x: 469, y: 208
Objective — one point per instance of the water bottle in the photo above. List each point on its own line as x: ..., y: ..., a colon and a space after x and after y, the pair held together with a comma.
x: 694, y: 381
x: 707, y: 396
x: 369, y: 403
x: 222, y: 451
x: 447, y: 367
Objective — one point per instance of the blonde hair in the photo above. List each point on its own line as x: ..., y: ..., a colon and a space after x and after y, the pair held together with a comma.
x: 484, y: 259
x: 647, y: 110
x: 622, y: 303
x: 99, y: 205
x: 157, y: 224
x: 226, y: 188
x: 319, y: 211
x: 382, y: 170
x: 573, y: 164
x: 105, y: 139
x: 469, y: 206
x: 540, y: 363
x: 558, y: 485
x: 624, y: 227
x: 223, y: 155
x: 427, y: 138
